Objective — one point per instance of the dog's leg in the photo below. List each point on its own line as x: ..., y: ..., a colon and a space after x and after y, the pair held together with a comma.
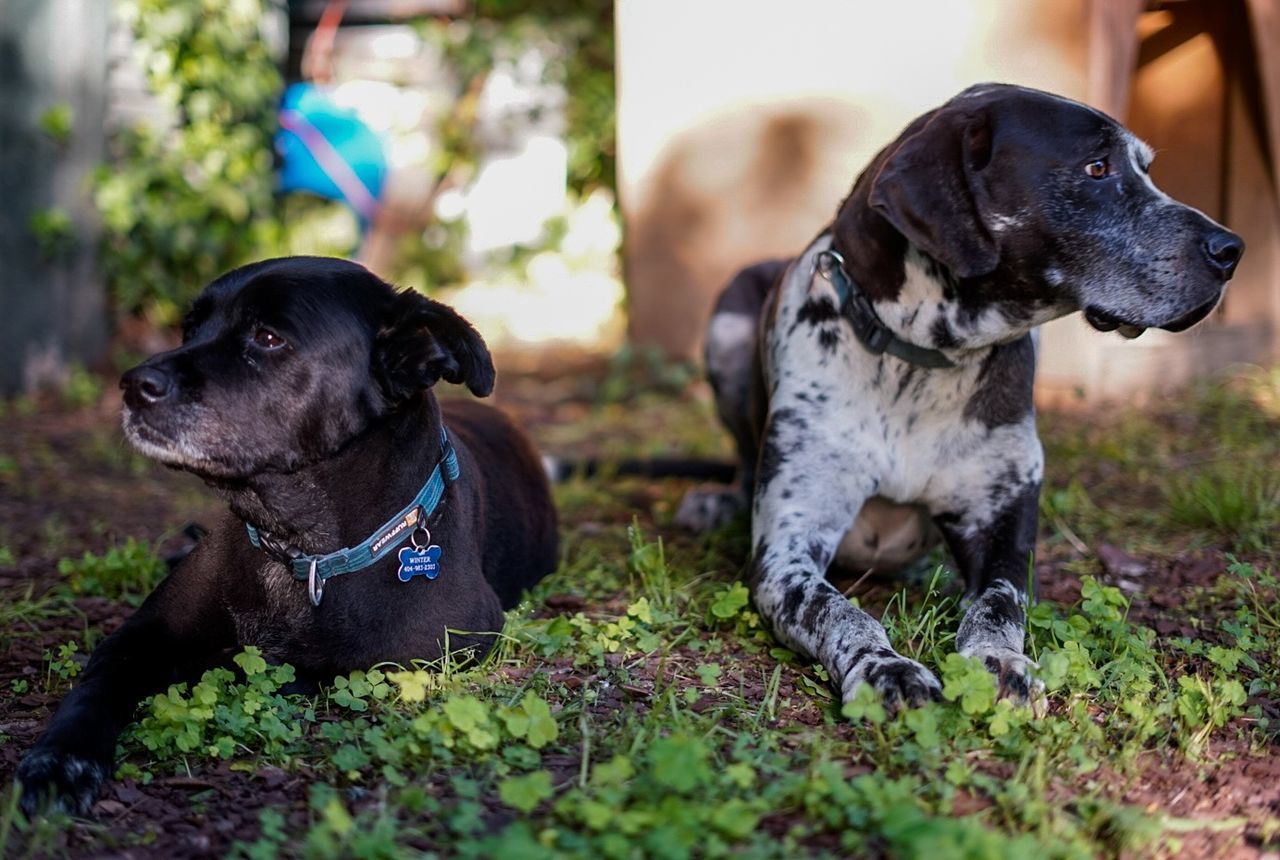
x: 808, y: 614
x: 730, y: 350
x: 994, y: 557
x: 802, y: 510
x: 732, y: 358
x: 176, y: 632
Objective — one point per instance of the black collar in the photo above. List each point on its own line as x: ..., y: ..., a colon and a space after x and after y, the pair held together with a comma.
x: 871, y: 332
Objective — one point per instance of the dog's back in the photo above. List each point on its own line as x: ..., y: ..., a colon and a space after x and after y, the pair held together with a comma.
x: 522, y: 545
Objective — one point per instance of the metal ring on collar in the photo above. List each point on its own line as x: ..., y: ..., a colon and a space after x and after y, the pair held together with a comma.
x: 315, y: 585
x: 826, y: 261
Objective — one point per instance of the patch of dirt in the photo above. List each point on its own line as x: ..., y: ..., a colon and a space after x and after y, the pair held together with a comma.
x: 1232, y: 785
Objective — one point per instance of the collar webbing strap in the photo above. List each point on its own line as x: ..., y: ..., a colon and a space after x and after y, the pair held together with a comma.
x: 871, y: 332
x: 384, y: 540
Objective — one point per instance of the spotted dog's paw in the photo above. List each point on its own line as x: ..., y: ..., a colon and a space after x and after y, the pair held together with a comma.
x: 60, y: 780
x: 900, y: 681
x: 1015, y: 674
x: 705, y: 510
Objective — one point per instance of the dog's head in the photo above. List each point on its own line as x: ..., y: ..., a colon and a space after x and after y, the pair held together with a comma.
x: 1049, y: 200
x: 283, y: 362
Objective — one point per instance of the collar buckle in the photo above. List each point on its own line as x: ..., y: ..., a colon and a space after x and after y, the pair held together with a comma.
x: 826, y: 262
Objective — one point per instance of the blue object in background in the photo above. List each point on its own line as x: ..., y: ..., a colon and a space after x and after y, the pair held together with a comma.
x: 327, y: 150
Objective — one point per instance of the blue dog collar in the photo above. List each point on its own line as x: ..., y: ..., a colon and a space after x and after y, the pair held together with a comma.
x: 873, y: 334
x: 316, y: 569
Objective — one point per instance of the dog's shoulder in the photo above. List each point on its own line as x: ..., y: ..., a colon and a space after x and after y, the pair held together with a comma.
x: 800, y: 318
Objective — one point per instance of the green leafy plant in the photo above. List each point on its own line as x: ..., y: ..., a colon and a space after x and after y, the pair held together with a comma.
x: 57, y: 122
x: 581, y: 36
x: 1205, y: 704
x: 635, y: 705
x: 61, y: 666
x: 127, y: 571
x: 221, y: 715
x: 524, y: 793
x: 357, y: 690
x: 1238, y: 504
x: 81, y: 388
x: 730, y: 601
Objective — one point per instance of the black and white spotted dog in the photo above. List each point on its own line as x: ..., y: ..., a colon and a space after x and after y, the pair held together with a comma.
x: 879, y: 386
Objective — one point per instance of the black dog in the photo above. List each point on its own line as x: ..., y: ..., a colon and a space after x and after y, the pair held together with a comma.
x: 302, y: 394
x: 879, y: 387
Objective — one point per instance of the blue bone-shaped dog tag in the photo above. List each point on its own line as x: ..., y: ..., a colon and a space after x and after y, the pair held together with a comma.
x: 419, y: 561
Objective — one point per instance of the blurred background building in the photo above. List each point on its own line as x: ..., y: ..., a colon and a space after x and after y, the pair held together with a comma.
x: 466, y: 147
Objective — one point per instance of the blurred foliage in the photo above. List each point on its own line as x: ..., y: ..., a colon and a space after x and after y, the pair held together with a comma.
x: 186, y: 197
x: 644, y: 368
x: 581, y: 33
x: 576, y: 40
x: 57, y: 122
x: 182, y: 205
x: 54, y: 232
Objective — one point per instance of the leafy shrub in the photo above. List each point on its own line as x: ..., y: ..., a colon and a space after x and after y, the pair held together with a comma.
x: 180, y: 206
x: 583, y: 33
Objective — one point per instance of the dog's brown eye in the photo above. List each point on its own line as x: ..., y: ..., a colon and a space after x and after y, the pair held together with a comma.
x: 267, y: 339
x: 1097, y: 169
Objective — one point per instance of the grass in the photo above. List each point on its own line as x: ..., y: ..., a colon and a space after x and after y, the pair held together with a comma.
x: 1238, y: 504
x: 1194, y: 471
x: 637, y: 707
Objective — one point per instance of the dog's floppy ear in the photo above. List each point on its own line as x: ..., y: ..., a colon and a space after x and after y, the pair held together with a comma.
x: 929, y: 190
x: 422, y: 341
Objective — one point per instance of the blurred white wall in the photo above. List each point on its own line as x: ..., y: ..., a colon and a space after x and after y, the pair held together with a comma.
x: 743, y: 123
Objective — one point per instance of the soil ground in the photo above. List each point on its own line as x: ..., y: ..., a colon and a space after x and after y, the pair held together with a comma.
x: 70, y: 485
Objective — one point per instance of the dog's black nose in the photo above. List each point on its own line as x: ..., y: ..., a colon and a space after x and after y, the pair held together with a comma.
x: 145, y: 385
x: 1223, y: 250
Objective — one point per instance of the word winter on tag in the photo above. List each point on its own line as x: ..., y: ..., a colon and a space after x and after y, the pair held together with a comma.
x: 419, y: 561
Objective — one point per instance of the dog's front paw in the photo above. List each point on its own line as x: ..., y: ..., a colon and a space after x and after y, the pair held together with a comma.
x: 56, y: 779
x: 1015, y: 674
x: 705, y: 510
x: 900, y: 681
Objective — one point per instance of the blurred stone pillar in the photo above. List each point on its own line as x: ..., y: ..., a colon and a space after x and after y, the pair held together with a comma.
x: 52, y: 301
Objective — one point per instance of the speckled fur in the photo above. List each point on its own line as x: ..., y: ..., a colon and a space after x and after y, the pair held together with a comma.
x: 977, y: 225
x: 857, y: 426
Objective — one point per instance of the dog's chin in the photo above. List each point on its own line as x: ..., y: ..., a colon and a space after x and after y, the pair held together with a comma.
x: 1192, y: 317
x: 159, y: 446
x: 1105, y: 321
